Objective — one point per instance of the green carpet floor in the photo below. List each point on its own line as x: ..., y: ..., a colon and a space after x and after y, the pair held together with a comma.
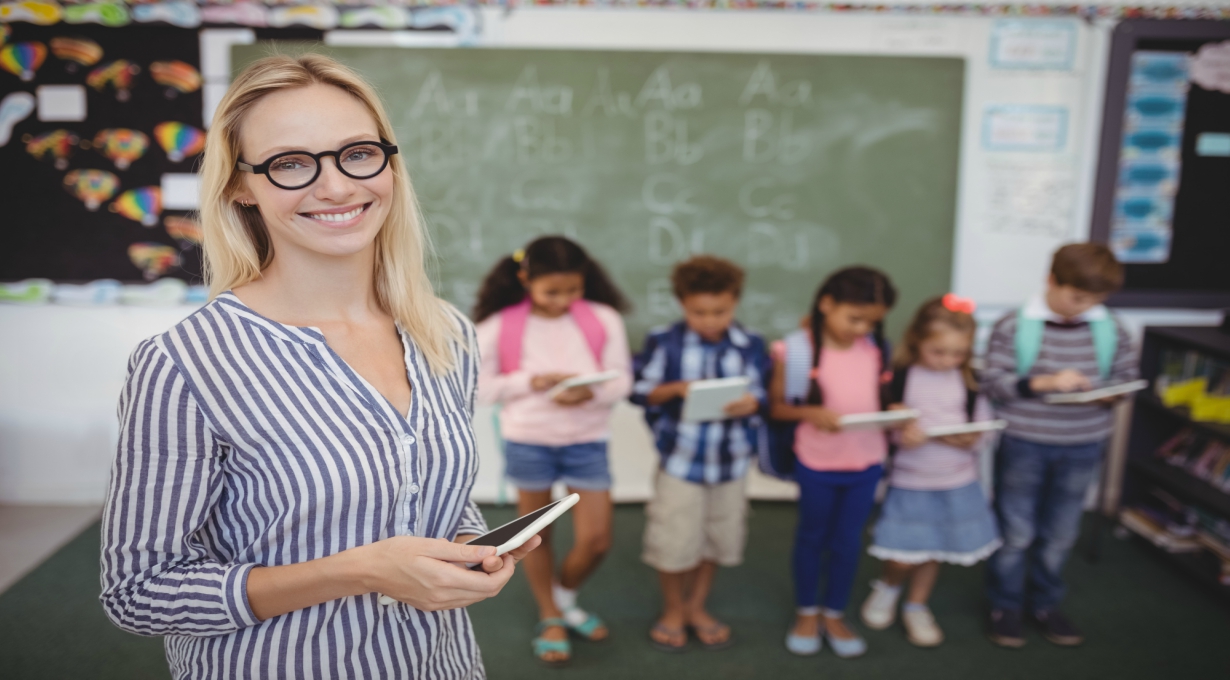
x: 1141, y: 618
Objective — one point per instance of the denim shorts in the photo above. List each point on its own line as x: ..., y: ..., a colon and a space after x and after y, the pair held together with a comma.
x: 533, y: 467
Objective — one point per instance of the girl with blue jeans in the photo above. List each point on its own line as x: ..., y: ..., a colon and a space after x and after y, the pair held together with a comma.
x: 837, y: 470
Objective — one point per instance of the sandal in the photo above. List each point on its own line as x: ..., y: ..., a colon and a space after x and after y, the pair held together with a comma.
x: 711, y: 632
x: 543, y: 646
x: 586, y: 628
x: 669, y: 632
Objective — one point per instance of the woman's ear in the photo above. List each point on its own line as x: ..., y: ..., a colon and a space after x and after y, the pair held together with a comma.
x: 524, y: 279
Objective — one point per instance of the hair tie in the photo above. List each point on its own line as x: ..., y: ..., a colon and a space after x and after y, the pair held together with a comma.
x: 956, y: 303
x: 518, y: 255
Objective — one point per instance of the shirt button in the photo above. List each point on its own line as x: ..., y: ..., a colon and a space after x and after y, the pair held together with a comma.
x: 407, y: 439
x: 414, y: 488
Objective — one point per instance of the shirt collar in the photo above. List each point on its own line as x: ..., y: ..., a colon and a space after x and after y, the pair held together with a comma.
x: 1037, y: 308
x: 734, y: 335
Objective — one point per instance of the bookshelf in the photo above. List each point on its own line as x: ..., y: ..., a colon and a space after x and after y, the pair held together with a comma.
x: 1149, y: 477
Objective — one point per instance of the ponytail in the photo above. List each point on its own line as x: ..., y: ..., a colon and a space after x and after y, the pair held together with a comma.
x: 545, y: 255
x: 853, y: 285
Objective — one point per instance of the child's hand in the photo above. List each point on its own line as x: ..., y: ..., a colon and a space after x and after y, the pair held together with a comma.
x: 899, y: 425
x: 1067, y: 380
x: 545, y: 381
x: 912, y: 435
x: 823, y: 419
x: 743, y: 407
x: 965, y: 440
x: 574, y: 396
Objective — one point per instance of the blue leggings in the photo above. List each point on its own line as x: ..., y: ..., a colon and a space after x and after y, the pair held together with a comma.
x: 833, y: 507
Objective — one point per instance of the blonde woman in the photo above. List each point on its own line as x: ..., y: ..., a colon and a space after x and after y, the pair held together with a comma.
x: 302, y: 444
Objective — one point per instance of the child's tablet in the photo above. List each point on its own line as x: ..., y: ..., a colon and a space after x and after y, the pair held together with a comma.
x: 514, y: 534
x: 707, y: 399
x: 579, y: 380
x: 877, y: 419
x: 966, y: 428
x: 1095, y: 394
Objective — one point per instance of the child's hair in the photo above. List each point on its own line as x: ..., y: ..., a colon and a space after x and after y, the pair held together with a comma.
x: 932, y: 312
x: 852, y: 285
x: 706, y: 274
x: 1090, y: 267
x: 544, y: 255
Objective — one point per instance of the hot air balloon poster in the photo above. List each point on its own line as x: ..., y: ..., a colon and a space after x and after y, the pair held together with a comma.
x: 176, y: 76
x: 118, y: 74
x: 91, y: 187
x: 56, y: 146
x: 76, y: 52
x: 121, y: 145
x: 142, y: 204
x: 153, y: 259
x: 23, y: 59
x: 183, y: 229
x: 178, y: 140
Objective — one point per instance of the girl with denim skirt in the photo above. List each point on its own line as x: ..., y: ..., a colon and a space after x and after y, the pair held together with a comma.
x: 841, y: 358
x: 545, y: 314
x: 935, y: 511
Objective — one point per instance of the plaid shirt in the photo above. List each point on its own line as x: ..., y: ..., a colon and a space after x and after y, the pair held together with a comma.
x: 711, y: 452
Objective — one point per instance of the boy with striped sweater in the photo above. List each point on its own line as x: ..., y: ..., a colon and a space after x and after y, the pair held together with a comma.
x: 1062, y: 341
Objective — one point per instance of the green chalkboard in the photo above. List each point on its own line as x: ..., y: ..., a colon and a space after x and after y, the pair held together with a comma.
x: 792, y: 165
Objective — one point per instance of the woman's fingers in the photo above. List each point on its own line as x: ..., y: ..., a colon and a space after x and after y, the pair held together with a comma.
x: 447, y: 551
x: 519, y: 553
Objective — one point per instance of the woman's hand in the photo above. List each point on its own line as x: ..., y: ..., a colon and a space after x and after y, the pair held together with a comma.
x: 429, y: 574
x: 743, y: 407
x: 912, y: 436
x: 493, y: 564
x: 574, y: 396
x: 822, y: 418
x: 545, y: 381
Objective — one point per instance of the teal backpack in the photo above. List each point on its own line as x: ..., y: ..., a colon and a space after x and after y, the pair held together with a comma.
x: 1028, y: 343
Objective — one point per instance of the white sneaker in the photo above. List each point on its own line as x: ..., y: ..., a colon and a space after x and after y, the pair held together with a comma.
x: 880, y: 609
x: 920, y: 627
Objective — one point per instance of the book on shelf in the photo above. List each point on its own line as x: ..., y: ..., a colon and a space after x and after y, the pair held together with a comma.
x: 1200, y: 455
x: 1143, y: 525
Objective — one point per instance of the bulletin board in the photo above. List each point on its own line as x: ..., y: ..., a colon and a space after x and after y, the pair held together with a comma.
x: 1164, y: 165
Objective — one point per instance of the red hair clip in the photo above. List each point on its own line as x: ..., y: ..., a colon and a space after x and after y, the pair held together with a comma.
x: 956, y: 303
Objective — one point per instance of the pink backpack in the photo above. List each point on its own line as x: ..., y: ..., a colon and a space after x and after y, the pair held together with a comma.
x: 512, y: 331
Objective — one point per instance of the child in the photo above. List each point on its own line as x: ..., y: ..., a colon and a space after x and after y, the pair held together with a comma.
x: 1060, y: 341
x: 841, y: 363
x: 935, y: 510
x: 546, y: 314
x: 697, y: 517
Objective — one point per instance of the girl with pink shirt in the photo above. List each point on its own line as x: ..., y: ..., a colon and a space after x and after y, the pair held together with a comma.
x: 935, y: 510
x: 837, y: 470
x: 545, y: 314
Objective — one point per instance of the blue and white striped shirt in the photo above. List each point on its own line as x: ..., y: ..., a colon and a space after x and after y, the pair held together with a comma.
x: 245, y: 442
x: 704, y: 453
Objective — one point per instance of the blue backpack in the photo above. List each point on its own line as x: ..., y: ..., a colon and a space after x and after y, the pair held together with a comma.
x: 776, y: 453
x: 1028, y: 343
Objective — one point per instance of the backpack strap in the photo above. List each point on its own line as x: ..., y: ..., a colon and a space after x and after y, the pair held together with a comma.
x: 1027, y: 342
x: 971, y: 403
x: 595, y: 334
x: 1105, y: 343
x: 798, y: 366
x: 896, y: 385
x: 512, y: 331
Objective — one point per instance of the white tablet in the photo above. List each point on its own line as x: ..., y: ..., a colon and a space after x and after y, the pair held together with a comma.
x: 966, y: 428
x: 514, y: 534
x: 707, y: 399
x: 877, y: 419
x: 579, y: 380
x: 1095, y: 394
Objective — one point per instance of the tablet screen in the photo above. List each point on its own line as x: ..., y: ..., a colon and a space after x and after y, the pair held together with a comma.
x: 504, y: 534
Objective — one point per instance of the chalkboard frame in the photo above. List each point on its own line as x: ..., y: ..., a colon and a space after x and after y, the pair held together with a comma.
x: 1127, y: 35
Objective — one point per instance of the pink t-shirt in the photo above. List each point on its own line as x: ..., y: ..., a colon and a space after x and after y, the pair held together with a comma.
x: 554, y: 346
x: 850, y: 382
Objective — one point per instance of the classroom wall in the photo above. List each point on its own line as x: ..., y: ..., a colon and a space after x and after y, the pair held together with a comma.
x: 1025, y: 183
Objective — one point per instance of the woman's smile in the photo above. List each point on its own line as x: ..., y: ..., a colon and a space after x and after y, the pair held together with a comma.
x: 340, y: 217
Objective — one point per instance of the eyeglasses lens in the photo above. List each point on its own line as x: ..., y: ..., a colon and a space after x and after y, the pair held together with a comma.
x: 362, y: 161
x: 293, y: 171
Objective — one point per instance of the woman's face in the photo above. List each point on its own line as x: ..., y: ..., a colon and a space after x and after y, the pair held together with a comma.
x: 336, y: 215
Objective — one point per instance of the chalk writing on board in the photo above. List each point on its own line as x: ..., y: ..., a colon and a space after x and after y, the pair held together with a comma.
x: 1030, y: 199
x: 669, y: 242
x: 658, y: 88
x: 540, y: 193
x: 537, y: 141
x: 758, y: 199
x: 775, y: 246
x: 527, y: 92
x: 611, y: 102
x: 763, y: 83
x: 665, y: 194
x: 768, y: 137
x: 456, y: 239
x: 666, y: 140
x: 660, y: 299
x: 433, y: 97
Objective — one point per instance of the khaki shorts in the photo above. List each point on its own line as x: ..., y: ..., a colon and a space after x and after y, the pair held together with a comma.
x: 689, y: 523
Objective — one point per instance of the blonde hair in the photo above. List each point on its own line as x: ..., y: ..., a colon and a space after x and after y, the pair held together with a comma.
x: 931, y: 313
x: 236, y: 243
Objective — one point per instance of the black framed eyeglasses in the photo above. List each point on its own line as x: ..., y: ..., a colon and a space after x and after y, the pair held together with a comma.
x: 297, y: 169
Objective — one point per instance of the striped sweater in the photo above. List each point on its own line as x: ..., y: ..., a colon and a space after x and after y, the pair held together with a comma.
x: 1064, y: 345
